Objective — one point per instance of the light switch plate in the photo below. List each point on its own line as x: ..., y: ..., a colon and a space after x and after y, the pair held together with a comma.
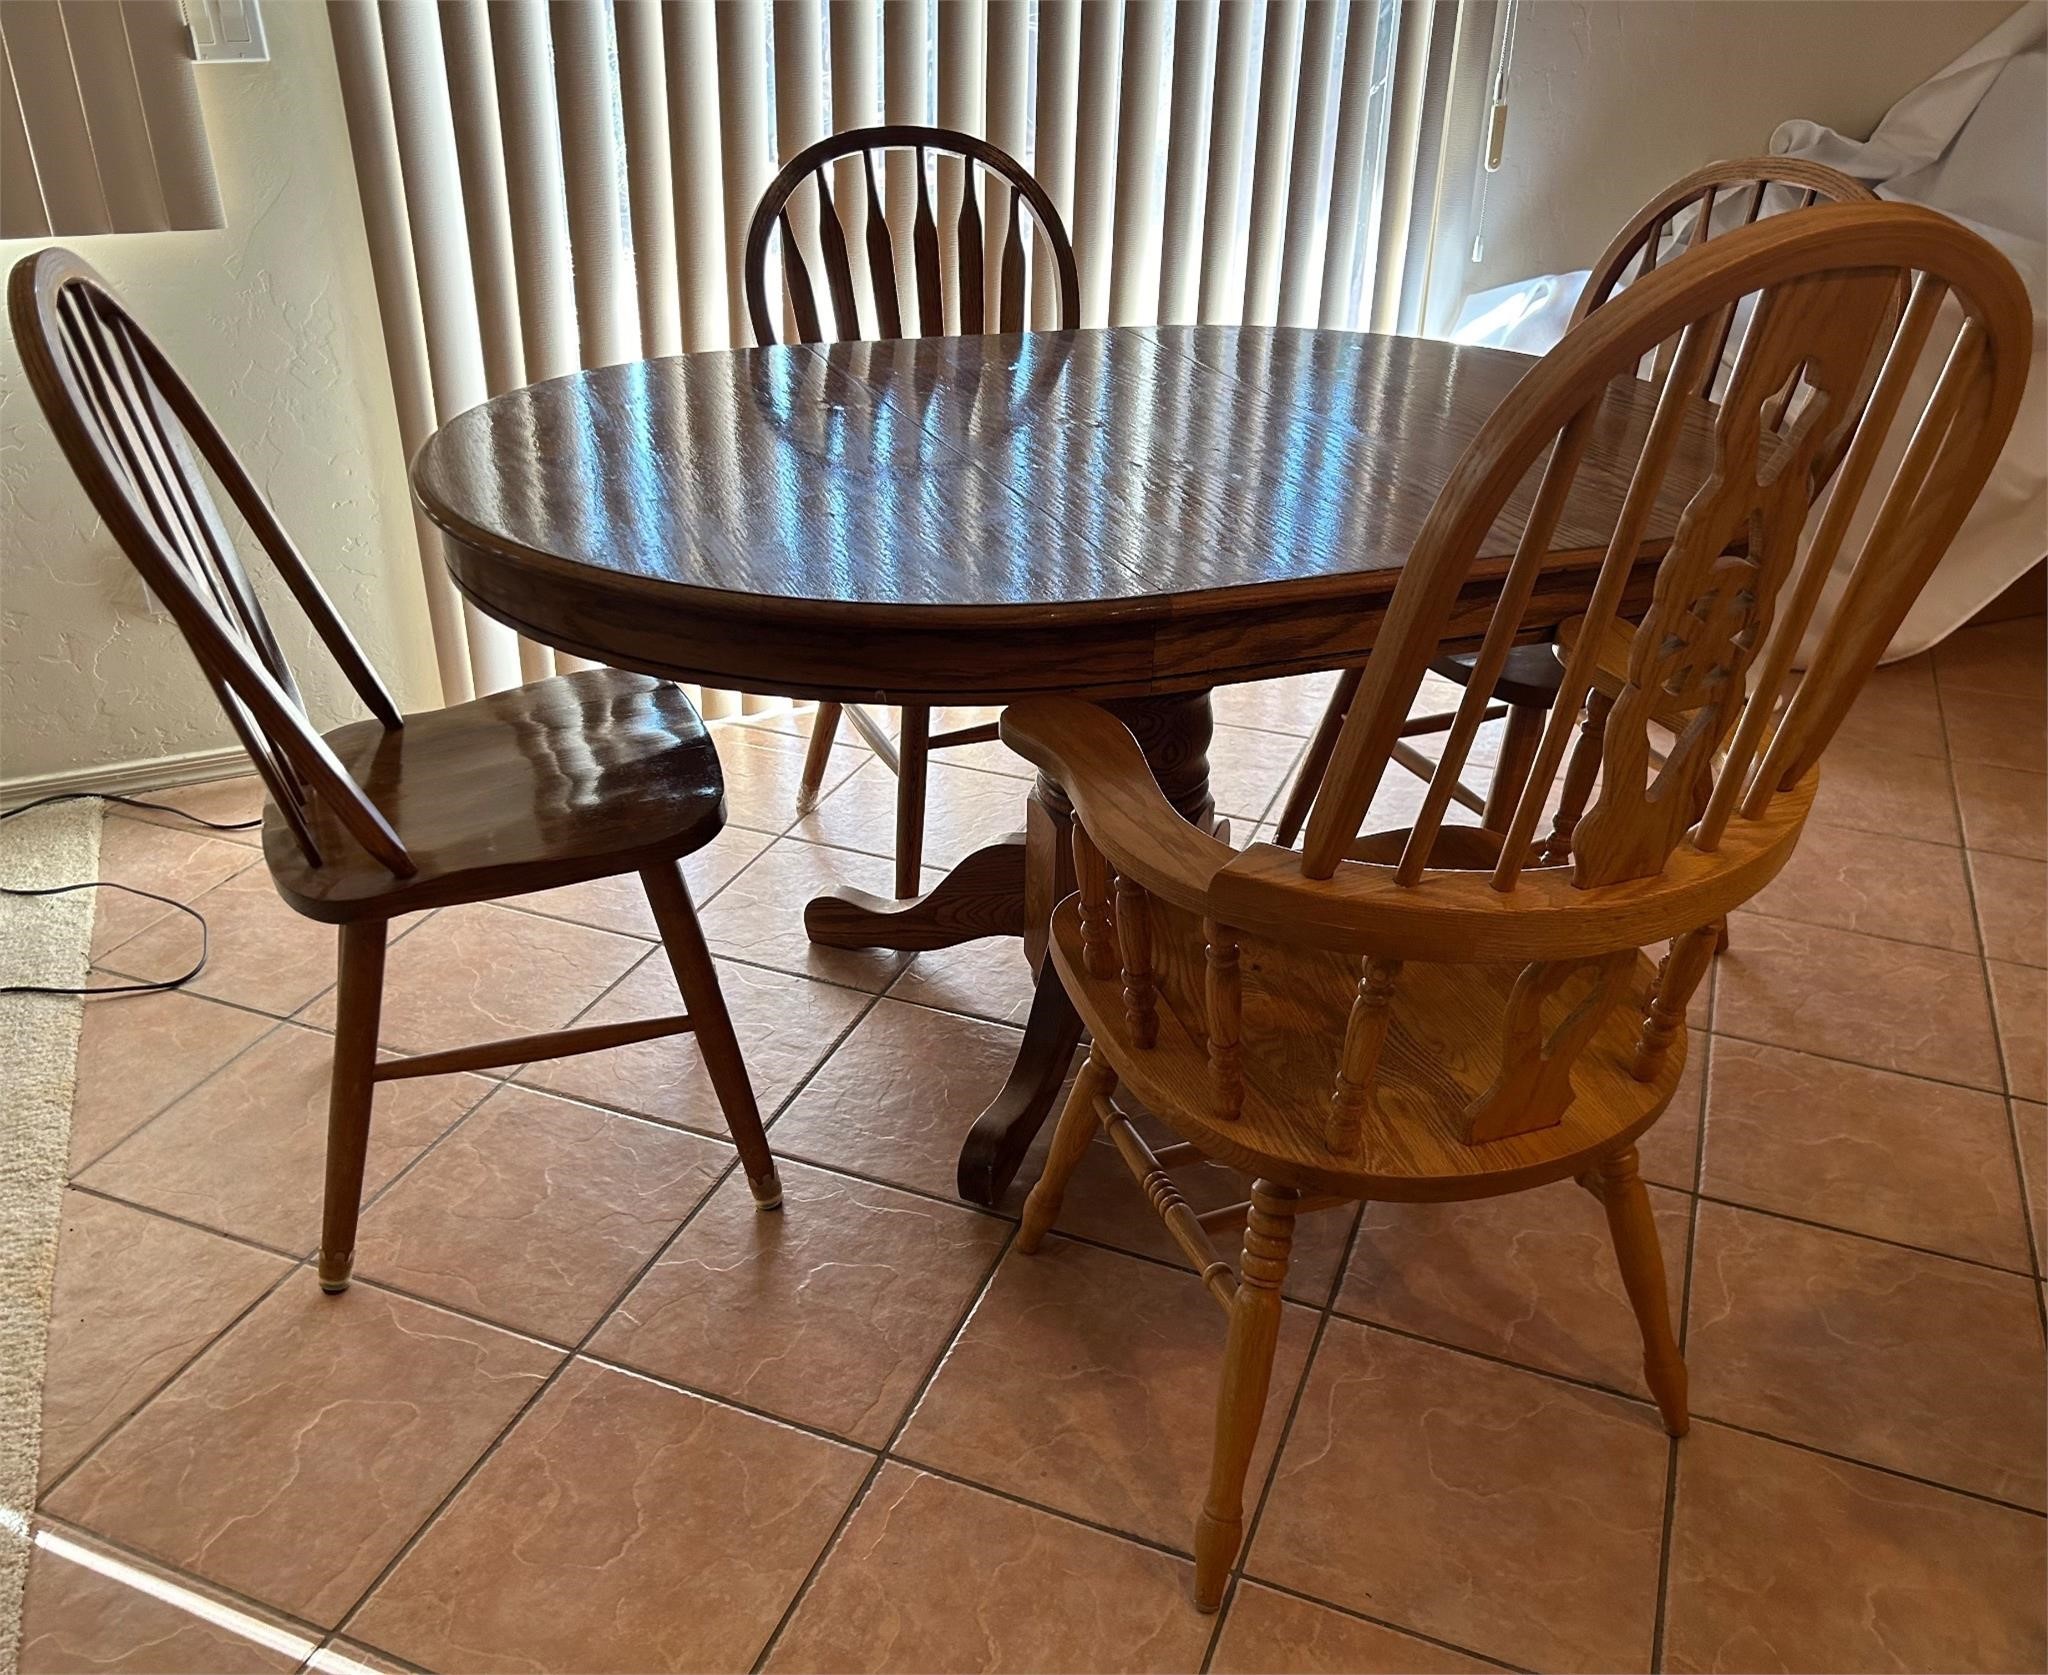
x: 227, y: 31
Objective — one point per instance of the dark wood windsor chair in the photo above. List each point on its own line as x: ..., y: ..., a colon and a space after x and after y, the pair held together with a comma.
x: 1529, y: 680
x: 578, y: 777
x: 992, y: 280
x: 1447, y: 1012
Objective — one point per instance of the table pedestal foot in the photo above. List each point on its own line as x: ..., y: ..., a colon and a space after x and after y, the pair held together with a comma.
x: 1174, y: 734
x: 1003, y: 1133
x: 982, y: 896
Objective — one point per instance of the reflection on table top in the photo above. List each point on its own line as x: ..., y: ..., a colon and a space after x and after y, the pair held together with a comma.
x: 1076, y: 476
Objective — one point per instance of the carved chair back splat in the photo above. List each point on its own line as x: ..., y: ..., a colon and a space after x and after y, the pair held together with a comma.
x: 580, y: 777
x: 1445, y: 1011
x: 1527, y: 686
x: 856, y: 210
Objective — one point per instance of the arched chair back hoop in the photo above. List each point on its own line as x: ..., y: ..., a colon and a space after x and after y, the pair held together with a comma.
x: 1735, y: 192
x: 1704, y: 739
x: 993, y: 275
x: 135, y: 435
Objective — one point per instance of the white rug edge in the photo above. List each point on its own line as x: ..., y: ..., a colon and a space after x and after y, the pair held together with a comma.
x: 46, y: 940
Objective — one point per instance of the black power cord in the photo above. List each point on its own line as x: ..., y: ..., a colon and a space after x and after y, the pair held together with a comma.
x: 109, y: 884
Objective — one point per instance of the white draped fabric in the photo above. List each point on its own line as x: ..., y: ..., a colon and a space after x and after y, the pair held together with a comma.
x: 553, y: 184
x: 1969, y: 142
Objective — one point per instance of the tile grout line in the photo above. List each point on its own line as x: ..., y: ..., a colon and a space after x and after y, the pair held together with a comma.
x: 157, y: 1213
x: 1645, y: 1403
x: 882, y: 1458
x: 1998, y: 1032
x: 1660, y: 1622
x: 1857, y: 1233
x: 300, y: 1262
x: 490, y: 1450
x: 1324, y: 1315
x: 84, y: 1536
x: 1165, y: 1263
x: 276, y: 1020
x: 107, y: 1435
x: 1358, y: 1616
x: 1860, y: 1064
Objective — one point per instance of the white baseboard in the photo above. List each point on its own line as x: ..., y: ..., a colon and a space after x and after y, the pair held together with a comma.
x: 155, y: 773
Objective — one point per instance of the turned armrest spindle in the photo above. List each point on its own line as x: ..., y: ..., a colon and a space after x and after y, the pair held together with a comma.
x: 1225, y: 998
x: 1134, y: 939
x: 1365, y: 1034
x: 1098, y: 926
x: 1678, y: 975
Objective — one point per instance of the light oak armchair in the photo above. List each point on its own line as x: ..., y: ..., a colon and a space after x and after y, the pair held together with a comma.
x: 1448, y: 1012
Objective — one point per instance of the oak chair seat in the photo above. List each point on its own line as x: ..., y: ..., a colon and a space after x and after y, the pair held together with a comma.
x: 1529, y: 678
x: 577, y: 777
x: 1442, y: 1050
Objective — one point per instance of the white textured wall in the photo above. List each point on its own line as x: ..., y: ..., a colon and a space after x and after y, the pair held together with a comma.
x: 273, y: 321
x: 1612, y: 99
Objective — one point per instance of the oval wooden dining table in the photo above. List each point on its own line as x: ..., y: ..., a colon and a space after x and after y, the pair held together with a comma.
x: 1134, y: 515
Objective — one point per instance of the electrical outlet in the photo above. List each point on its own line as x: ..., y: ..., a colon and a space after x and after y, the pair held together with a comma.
x: 226, y: 31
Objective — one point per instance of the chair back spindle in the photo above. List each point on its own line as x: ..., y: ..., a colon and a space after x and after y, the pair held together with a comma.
x: 1098, y: 922
x: 994, y: 270
x: 1701, y: 736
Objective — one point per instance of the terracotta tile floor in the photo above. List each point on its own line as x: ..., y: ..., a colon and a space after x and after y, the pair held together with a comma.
x: 584, y: 1409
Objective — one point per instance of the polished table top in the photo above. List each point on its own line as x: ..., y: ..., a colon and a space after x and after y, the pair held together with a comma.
x: 1138, y: 509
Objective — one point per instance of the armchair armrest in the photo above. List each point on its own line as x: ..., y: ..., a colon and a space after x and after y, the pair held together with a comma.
x: 1093, y: 757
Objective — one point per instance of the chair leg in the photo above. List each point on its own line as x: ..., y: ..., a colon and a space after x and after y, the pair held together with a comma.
x: 824, y: 729
x: 351, y: 1090
x: 913, y: 761
x: 1518, y: 746
x: 1308, y: 780
x: 704, y: 1001
x: 1633, y: 1228
x: 1070, y: 1142
x: 1247, y: 1374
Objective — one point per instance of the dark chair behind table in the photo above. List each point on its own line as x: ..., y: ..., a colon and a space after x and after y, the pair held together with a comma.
x: 874, y: 287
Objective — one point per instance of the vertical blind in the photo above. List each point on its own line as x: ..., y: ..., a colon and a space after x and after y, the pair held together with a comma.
x: 553, y: 184
x: 100, y: 128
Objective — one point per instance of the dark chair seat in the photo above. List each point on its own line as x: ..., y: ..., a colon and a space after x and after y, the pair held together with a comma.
x: 1531, y: 678
x: 577, y: 777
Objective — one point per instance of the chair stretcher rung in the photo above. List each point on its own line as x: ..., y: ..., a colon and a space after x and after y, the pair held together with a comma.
x: 982, y: 732
x: 1181, y: 1221
x: 527, y: 1049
